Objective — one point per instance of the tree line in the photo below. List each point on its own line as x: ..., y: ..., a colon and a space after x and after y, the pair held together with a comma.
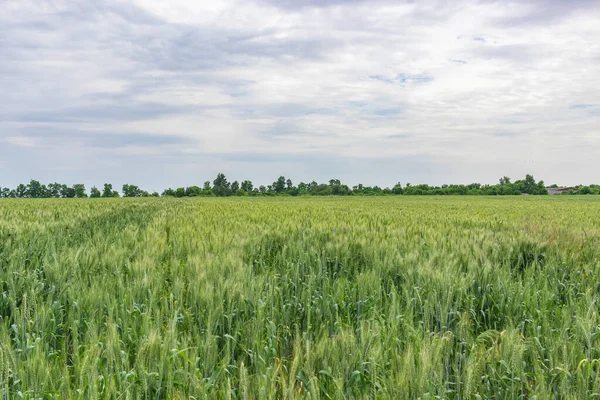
x: 222, y: 187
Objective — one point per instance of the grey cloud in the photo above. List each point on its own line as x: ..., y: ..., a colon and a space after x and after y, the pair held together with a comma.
x: 521, y: 54
x: 113, y: 112
x: 505, y: 134
x: 387, y: 112
x: 399, y: 136
x: 285, y: 110
x: 49, y: 136
x: 299, y: 5
x: 289, y: 128
x: 581, y: 106
x: 544, y: 11
x: 403, y: 79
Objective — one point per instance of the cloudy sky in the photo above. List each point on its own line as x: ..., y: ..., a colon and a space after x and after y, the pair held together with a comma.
x: 161, y: 94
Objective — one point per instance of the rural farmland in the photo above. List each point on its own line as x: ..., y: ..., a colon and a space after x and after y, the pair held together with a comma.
x: 315, y: 298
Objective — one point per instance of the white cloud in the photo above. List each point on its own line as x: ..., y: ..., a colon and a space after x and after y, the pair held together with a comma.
x: 481, y: 88
x: 21, y: 141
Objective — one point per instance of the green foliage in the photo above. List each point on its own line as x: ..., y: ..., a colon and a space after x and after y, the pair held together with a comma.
x: 321, y: 190
x: 315, y: 298
x: 134, y: 191
x: 94, y: 192
x: 193, y: 191
x: 283, y: 186
x: 247, y: 186
x: 108, y: 191
x: 397, y: 189
x: 221, y: 187
x: 79, y: 189
x: 279, y: 185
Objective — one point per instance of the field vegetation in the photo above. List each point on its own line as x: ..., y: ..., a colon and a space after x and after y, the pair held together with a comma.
x: 315, y: 298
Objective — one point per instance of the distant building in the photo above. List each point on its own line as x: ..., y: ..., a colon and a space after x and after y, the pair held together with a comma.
x: 560, y: 190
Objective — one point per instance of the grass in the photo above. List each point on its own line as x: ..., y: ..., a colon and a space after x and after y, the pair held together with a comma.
x: 446, y: 298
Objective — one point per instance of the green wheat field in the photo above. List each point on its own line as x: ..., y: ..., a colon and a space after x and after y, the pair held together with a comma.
x: 284, y: 298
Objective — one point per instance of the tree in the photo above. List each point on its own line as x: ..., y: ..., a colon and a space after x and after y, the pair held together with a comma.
x: 129, y: 190
x: 36, y: 190
x: 282, y: 186
x: 94, y: 192
x: 302, y: 188
x: 584, y: 190
x: 108, y: 191
x: 220, y: 186
x: 67, y: 192
x: 279, y: 185
x: 540, y: 189
x: 54, y: 189
x: 528, y: 184
x: 247, y: 186
x: 397, y: 189
x: 79, y: 189
x: 193, y: 191
x: 337, y: 188
x: 134, y: 191
x: 505, y: 180
x: 321, y: 190
x: 341, y: 190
